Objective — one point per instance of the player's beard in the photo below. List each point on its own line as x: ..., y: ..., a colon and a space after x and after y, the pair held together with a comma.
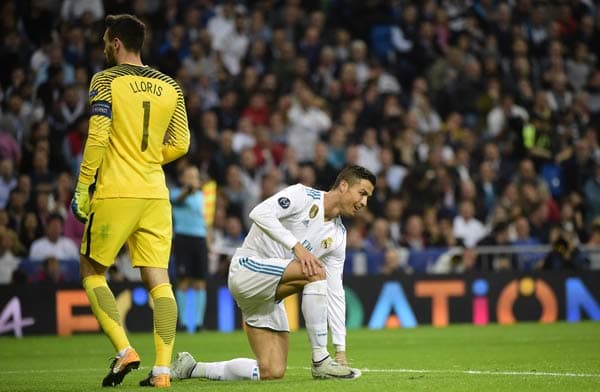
x: 110, y: 56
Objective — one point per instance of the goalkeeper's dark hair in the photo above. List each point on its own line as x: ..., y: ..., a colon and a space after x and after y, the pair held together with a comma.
x: 129, y: 29
x: 353, y: 174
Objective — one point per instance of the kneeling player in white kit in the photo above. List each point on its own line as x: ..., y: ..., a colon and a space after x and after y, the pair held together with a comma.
x: 297, y: 243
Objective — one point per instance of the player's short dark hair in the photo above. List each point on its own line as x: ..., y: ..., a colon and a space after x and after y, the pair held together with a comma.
x: 128, y: 28
x: 353, y: 174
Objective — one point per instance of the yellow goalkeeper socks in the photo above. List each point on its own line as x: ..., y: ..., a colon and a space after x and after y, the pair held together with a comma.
x: 104, y: 307
x: 165, y: 323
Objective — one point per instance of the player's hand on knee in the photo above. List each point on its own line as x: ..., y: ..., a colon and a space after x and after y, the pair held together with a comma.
x: 80, y: 205
x: 309, y: 263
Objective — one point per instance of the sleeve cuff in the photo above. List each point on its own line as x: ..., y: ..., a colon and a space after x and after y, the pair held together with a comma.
x: 289, y: 240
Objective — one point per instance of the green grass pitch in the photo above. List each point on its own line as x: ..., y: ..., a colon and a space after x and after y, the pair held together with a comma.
x: 522, y: 357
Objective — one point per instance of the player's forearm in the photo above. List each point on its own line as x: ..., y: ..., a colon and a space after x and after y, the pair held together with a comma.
x: 177, y: 141
x: 183, y: 195
x: 93, y: 154
x: 172, y: 152
x: 271, y: 225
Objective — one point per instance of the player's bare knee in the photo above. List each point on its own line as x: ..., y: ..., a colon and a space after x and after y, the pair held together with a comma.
x: 88, y: 267
x: 278, y: 372
x: 267, y: 372
x: 320, y: 275
x: 272, y: 372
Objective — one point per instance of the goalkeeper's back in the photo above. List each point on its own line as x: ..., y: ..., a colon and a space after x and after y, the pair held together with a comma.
x: 142, y: 109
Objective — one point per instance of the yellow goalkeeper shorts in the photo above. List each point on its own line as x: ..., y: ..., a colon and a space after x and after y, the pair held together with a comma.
x: 145, y: 224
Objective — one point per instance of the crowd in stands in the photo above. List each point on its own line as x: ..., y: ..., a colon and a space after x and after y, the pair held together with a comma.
x: 480, y: 119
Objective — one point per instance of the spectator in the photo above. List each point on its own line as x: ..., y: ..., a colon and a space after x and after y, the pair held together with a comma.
x: 466, y: 226
x: 72, y: 147
x: 30, y: 231
x: 70, y: 108
x: 245, y: 136
x: 257, y: 110
x: 559, y: 96
x: 53, y: 243
x: 337, y: 146
x: 356, y: 256
x: 427, y: 118
x: 51, y: 271
x: 74, y: 10
x: 307, y: 122
x: 499, y: 118
x: 324, y: 171
x: 42, y: 206
x: 267, y: 152
x: 592, y: 251
x: 224, y: 157
x: 222, y: 22
x: 394, y: 262
x: 9, y: 148
x: 9, y: 262
x: 14, y: 120
x: 8, y: 181
x: 486, y: 187
x: 502, y: 261
x: 230, y: 237
x: 369, y: 152
x: 394, y: 207
x: 446, y: 237
x: 232, y: 44
x: 16, y: 208
x: 539, y: 223
x: 394, y: 173
x: 201, y: 62
x: 591, y: 191
x: 528, y: 260
x: 564, y: 254
x: 375, y: 245
x: 414, y: 233
x: 579, y: 67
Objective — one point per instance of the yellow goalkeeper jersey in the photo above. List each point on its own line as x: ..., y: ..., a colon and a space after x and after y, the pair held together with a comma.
x: 138, y: 123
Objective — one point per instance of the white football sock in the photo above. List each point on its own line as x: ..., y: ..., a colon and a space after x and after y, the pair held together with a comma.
x: 314, y: 309
x: 235, y: 369
x: 156, y: 370
x: 121, y: 353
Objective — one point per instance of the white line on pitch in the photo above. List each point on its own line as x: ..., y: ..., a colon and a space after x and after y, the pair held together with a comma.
x: 364, y: 370
x: 34, y: 371
x: 479, y: 372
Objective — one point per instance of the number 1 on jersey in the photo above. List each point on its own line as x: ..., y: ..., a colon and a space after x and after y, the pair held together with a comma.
x: 146, y: 105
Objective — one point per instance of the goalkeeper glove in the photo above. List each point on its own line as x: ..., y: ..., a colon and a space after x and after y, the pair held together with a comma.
x: 80, y: 205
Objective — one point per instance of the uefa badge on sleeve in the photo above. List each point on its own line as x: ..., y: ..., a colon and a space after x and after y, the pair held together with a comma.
x: 284, y: 202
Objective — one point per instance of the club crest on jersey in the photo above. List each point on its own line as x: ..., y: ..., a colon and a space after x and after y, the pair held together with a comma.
x: 313, y: 211
x: 326, y: 243
x: 284, y: 202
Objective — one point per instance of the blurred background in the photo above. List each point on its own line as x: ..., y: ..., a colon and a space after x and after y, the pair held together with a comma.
x: 479, y: 118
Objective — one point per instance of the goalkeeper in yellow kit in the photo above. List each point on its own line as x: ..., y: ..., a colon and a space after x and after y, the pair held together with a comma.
x: 138, y: 123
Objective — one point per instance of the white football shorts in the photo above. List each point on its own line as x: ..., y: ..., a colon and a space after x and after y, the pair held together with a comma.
x: 253, y: 282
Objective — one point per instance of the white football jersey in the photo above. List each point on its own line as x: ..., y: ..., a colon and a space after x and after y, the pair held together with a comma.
x: 296, y: 214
